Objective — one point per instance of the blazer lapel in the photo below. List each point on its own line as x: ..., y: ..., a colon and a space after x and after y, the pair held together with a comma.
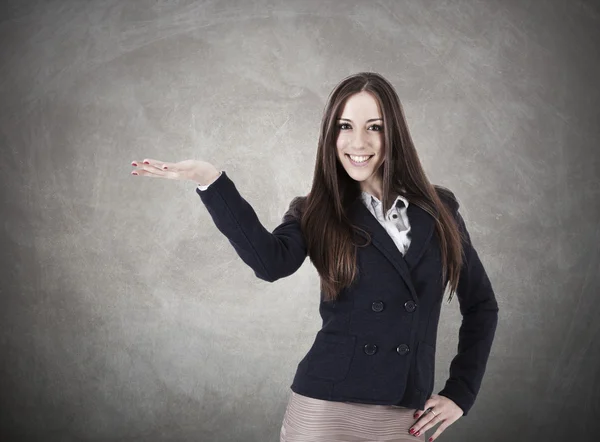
x: 421, y: 230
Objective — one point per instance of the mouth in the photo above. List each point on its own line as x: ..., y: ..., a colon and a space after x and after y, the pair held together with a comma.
x: 361, y: 163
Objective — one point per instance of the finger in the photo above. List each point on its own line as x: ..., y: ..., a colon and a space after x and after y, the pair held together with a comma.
x: 151, y: 172
x: 420, y: 422
x: 422, y: 425
x: 169, y: 166
x: 439, y: 431
x: 145, y: 162
x: 150, y: 164
x: 428, y: 424
x: 154, y: 163
x: 148, y: 169
x: 163, y: 165
x: 420, y: 413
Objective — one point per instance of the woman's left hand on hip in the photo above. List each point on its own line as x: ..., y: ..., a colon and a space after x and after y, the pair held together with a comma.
x: 439, y: 409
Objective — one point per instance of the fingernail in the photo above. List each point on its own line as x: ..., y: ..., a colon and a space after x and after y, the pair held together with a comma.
x: 133, y: 163
x: 164, y: 167
x: 134, y: 173
x: 430, y: 439
x: 416, y: 415
x: 411, y: 431
x: 418, y: 433
x: 146, y: 162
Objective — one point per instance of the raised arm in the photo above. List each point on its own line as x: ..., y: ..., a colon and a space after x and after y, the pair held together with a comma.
x: 272, y: 255
x: 479, y: 309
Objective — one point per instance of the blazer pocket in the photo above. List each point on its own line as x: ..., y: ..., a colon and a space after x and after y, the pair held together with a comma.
x: 425, y: 367
x: 330, y: 356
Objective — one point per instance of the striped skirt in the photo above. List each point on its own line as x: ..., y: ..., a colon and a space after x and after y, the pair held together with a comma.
x: 314, y: 420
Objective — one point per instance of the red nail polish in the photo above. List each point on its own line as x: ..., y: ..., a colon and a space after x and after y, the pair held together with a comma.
x: 134, y: 173
x: 411, y: 431
x: 418, y: 433
x: 430, y: 439
x: 134, y: 164
x: 146, y: 162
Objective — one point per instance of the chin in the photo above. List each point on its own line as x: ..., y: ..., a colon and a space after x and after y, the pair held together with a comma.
x: 361, y: 175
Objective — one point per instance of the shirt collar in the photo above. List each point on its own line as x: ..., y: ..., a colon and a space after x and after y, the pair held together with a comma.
x: 373, y: 201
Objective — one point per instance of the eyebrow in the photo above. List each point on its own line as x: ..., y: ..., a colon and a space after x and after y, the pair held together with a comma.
x: 372, y: 119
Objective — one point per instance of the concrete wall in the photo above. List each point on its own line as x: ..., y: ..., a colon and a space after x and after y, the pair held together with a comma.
x: 126, y: 316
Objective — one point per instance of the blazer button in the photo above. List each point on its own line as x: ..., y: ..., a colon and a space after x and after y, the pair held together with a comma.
x: 402, y: 349
x: 370, y: 349
x: 410, y: 306
x: 377, y: 306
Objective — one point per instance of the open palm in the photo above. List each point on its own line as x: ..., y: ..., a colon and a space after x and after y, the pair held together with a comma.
x: 192, y: 170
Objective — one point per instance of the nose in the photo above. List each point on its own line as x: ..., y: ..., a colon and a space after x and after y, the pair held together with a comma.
x: 358, y: 142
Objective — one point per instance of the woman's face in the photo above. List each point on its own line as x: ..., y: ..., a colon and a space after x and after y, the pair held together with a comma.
x: 360, y: 128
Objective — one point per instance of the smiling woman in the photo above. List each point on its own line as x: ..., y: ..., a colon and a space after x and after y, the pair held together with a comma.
x: 386, y: 244
x: 360, y: 141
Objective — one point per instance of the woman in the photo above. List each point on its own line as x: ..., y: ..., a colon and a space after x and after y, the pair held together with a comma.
x: 386, y: 244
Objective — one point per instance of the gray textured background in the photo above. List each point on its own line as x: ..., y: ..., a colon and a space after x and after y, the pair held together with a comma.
x: 126, y: 316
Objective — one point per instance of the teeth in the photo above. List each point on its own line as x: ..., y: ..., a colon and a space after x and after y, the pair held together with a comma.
x: 359, y: 159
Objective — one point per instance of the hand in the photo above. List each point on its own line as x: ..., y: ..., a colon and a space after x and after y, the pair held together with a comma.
x: 201, y: 172
x: 445, y: 411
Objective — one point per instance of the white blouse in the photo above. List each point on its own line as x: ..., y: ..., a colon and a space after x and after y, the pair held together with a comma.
x: 395, y: 221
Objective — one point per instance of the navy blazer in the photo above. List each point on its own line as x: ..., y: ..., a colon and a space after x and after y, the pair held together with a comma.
x: 377, y: 342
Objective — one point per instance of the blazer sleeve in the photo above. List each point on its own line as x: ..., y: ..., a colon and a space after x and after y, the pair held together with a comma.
x: 272, y: 255
x: 479, y: 311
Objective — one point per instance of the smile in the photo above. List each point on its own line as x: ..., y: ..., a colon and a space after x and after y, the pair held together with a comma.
x: 365, y: 159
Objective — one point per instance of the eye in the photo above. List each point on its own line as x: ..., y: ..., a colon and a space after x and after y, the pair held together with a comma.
x: 379, y: 127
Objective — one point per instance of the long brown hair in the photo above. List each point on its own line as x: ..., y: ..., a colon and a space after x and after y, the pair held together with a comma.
x: 327, y: 229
